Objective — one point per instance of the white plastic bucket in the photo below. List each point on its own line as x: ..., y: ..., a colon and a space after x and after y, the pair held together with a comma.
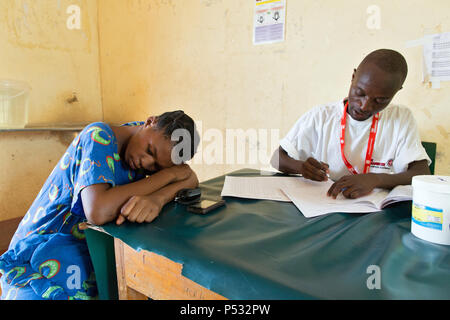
x: 431, y: 208
x: 14, y: 97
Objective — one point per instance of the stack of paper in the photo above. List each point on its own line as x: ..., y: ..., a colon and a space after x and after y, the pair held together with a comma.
x: 310, y: 197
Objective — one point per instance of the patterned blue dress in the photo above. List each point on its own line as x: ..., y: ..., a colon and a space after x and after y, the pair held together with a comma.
x: 48, y: 256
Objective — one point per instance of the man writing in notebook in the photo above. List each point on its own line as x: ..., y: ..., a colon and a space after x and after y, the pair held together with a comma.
x: 361, y: 142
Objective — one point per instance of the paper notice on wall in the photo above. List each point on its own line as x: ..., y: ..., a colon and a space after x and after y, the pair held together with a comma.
x: 436, y: 57
x: 269, y: 21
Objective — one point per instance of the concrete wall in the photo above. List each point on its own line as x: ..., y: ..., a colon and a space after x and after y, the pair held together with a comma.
x: 26, y: 160
x: 157, y: 55
x: 135, y: 58
x: 37, y: 47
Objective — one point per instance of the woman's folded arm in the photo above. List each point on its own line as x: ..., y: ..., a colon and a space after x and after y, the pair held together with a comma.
x: 102, y: 203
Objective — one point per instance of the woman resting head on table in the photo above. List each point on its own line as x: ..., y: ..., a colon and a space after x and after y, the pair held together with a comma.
x: 107, y: 174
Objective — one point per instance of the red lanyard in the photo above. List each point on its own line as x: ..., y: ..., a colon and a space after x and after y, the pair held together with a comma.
x: 372, y: 136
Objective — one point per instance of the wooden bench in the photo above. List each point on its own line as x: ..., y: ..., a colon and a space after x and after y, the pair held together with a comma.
x: 7, y: 230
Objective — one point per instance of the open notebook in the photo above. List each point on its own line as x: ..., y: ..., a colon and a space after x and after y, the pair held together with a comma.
x: 310, y: 197
x: 313, y: 201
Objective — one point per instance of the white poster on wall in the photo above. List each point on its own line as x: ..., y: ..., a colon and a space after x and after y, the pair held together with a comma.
x: 269, y: 21
x: 436, y: 57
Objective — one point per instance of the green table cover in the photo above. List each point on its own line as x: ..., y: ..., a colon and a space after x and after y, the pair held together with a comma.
x: 257, y: 249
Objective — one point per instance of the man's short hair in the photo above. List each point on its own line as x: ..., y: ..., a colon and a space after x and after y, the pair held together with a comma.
x: 388, y: 60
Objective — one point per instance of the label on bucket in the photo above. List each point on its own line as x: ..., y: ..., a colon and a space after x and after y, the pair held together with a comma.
x: 427, y: 217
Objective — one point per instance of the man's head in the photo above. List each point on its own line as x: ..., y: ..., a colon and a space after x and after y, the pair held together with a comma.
x: 151, y: 148
x: 375, y: 82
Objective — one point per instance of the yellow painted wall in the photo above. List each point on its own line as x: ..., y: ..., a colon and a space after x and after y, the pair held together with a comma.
x: 37, y: 47
x: 26, y: 160
x: 157, y: 55
x: 134, y: 58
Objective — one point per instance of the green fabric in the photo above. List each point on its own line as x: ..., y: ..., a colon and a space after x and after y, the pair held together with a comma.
x: 254, y: 249
x: 430, y: 148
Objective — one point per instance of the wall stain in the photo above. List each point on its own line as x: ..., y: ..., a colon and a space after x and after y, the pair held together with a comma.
x: 209, y: 3
x: 427, y: 113
x: 444, y: 133
x: 30, y: 24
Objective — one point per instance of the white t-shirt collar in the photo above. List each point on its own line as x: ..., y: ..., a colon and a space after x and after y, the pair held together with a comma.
x: 353, y: 122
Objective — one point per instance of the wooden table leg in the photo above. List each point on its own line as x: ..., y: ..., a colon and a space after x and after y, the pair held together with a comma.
x: 145, y: 274
x: 125, y: 292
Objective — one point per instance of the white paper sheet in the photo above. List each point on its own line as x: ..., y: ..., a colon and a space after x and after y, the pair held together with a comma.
x: 314, y: 208
x: 264, y: 188
x: 436, y: 57
x: 310, y: 197
x: 436, y: 53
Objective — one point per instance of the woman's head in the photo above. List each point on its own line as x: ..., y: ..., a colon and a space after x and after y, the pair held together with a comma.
x: 163, y: 141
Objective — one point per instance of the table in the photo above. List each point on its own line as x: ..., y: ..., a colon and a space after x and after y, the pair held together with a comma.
x: 255, y: 249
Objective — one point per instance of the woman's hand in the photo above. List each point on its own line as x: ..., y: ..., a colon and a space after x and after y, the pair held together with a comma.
x: 141, y: 209
x: 181, y: 172
x: 146, y: 208
x: 193, y: 180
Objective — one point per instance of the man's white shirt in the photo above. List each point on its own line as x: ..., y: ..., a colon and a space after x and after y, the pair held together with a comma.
x: 317, y: 134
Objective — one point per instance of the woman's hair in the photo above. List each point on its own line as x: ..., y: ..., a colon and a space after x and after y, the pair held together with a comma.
x: 184, y: 128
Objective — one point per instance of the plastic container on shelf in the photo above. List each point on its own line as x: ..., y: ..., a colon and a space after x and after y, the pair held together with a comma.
x: 14, y: 98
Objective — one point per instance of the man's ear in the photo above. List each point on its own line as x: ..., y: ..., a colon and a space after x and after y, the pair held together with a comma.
x: 151, y: 121
x: 353, y: 75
